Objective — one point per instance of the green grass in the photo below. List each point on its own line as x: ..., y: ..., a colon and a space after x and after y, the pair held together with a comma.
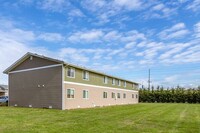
x: 145, y: 117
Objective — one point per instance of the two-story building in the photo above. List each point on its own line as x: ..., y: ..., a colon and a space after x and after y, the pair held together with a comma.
x: 43, y: 82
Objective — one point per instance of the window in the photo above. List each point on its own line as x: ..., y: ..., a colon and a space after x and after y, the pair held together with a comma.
x: 124, y: 95
x: 124, y: 83
x: 118, y: 82
x: 133, y: 86
x: 85, y: 94
x: 85, y: 75
x: 136, y: 96
x: 113, y: 95
x: 71, y: 72
x: 105, y: 80
x: 113, y: 81
x: 70, y: 93
x: 132, y: 95
x: 118, y: 95
x: 104, y: 94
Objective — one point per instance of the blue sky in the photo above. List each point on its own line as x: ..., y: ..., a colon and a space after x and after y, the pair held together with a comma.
x: 119, y: 37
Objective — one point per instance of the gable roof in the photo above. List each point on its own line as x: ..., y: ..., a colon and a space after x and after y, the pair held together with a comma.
x: 27, y: 55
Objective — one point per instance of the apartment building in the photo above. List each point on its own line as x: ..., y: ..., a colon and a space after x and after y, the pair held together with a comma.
x: 42, y: 82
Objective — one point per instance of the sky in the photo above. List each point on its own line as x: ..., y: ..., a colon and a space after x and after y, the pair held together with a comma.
x: 123, y: 38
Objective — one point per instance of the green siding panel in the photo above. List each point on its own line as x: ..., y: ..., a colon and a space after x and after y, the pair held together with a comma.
x: 96, y: 79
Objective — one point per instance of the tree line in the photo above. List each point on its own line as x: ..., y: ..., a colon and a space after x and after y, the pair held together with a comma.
x: 169, y: 95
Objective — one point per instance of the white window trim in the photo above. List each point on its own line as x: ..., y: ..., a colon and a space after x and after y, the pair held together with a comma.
x: 74, y: 72
x: 88, y: 75
x: 112, y: 95
x: 88, y: 94
x: 119, y: 83
x: 106, y: 80
x: 74, y: 93
x: 113, y: 83
x: 125, y: 95
x: 119, y: 95
x: 125, y: 84
x: 106, y: 95
x: 133, y: 96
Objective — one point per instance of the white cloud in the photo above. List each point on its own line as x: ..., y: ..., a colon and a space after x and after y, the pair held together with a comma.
x: 18, y: 34
x: 88, y: 36
x: 197, y: 30
x: 99, y: 35
x: 158, y: 7
x: 174, y: 49
x: 175, y: 32
x: 76, y: 13
x: 53, y: 5
x: 194, y: 5
x: 129, y: 4
x: 160, y: 11
x: 171, y: 78
x: 51, y: 37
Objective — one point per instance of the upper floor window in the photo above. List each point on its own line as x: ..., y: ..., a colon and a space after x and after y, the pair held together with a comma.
x: 105, y: 95
x: 113, y: 81
x: 119, y: 82
x: 85, y: 94
x: 133, y: 86
x: 71, y: 72
x: 85, y: 75
x: 124, y: 83
x: 105, y: 80
x: 70, y: 93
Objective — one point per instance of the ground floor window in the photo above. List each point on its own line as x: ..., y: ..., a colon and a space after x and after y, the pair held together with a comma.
x: 118, y: 95
x: 136, y: 96
x: 132, y: 95
x: 104, y: 94
x: 113, y: 95
x: 70, y: 93
x: 85, y: 94
x: 124, y: 95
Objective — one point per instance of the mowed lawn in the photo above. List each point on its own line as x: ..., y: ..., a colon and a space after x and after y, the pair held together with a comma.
x: 143, y: 117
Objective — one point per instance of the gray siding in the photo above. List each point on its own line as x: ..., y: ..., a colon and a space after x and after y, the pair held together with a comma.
x: 35, y: 62
x: 24, y: 90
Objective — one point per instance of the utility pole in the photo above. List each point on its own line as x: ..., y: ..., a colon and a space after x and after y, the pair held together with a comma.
x: 149, y: 81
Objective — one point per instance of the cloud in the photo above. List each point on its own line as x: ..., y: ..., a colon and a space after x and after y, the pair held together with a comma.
x: 104, y: 11
x: 175, y: 32
x: 101, y: 35
x: 197, y: 30
x: 129, y: 4
x: 53, y: 5
x: 18, y: 34
x: 171, y: 78
x: 76, y: 13
x: 159, y: 10
x: 51, y: 37
x: 88, y: 36
x: 194, y: 5
x: 174, y: 49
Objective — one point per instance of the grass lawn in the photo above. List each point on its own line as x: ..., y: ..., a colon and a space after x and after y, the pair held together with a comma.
x: 143, y: 117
